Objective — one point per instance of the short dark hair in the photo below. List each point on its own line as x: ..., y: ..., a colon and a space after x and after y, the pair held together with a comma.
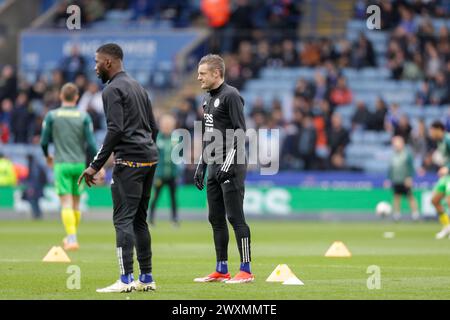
x: 69, y: 91
x: 214, y: 61
x: 438, y: 125
x: 112, y: 49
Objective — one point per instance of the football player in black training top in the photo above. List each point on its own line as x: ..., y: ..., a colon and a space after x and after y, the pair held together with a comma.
x: 224, y: 157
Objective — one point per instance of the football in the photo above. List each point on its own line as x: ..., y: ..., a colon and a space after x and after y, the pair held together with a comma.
x: 383, y: 209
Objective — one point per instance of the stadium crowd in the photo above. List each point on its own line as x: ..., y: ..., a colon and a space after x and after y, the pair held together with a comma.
x: 315, y: 137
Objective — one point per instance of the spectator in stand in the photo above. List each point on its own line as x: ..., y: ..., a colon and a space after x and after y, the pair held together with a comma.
x: 185, y: 116
x: 304, y: 89
x: 443, y: 43
x: 390, y: 16
x: 396, y: 59
x: 306, y: 141
x: 239, y: 27
x: 8, y: 83
x: 278, y: 119
x: 328, y: 50
x: 439, y: 90
x: 276, y: 56
x: 249, y: 69
x: 276, y: 104
x: 91, y: 102
x: 344, y: 53
x: 258, y: 120
x: 262, y: 53
x: 407, y: 23
x: 332, y: 73
x: 302, y: 104
x: 359, y: 9
x: 322, y: 151
x: 361, y: 117
x: 310, y: 54
x: 51, y: 99
x: 233, y: 74
x: 433, y: 62
x: 363, y: 54
x: 425, y: 7
x: 412, y: 69
x: 320, y: 86
x: 142, y: 9
x: 423, y: 96
x: 82, y: 83
x: 57, y: 80
x: 257, y: 106
x: 92, y: 96
x: 420, y: 142
x: 73, y: 65
x: 411, y: 45
x: 403, y: 129
x: 22, y: 120
x: 289, y: 54
x: 37, y: 90
x: 217, y: 13
x: 285, y: 16
x: 5, y: 120
x: 94, y: 9
x: 289, y: 155
x: 341, y: 94
x: 376, y: 120
x: 323, y: 108
x: 338, y: 139
x: 393, y: 117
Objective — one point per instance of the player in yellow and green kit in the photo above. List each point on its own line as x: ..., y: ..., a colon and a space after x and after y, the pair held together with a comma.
x: 69, y: 129
x: 442, y: 187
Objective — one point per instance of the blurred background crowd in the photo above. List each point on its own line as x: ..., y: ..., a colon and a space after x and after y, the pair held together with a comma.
x: 313, y: 88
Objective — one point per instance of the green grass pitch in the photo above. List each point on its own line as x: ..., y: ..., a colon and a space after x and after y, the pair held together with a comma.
x: 413, y: 264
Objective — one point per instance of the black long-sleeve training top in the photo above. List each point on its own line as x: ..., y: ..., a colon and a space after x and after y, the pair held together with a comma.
x: 223, y: 112
x: 131, y: 127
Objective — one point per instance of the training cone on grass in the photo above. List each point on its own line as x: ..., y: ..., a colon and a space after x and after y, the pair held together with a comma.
x: 281, y: 274
x: 293, y: 281
x: 338, y: 250
x: 56, y: 254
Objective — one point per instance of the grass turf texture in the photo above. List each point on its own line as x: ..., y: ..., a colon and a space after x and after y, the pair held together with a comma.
x: 413, y: 265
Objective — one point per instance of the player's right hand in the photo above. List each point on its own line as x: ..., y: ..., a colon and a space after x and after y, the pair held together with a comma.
x: 443, y: 171
x: 199, y: 176
x: 88, y: 176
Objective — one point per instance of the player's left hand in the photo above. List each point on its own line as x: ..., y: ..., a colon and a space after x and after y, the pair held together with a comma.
x: 88, y: 176
x: 50, y: 161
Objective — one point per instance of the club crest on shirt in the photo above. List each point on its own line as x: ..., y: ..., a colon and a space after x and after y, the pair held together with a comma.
x: 216, y: 102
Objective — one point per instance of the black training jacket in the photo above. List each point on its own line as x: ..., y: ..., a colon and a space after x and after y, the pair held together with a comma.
x: 131, y: 127
x: 223, y: 108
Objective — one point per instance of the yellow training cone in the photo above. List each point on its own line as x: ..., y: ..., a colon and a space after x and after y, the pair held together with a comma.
x: 338, y: 250
x: 280, y: 274
x: 56, y: 254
